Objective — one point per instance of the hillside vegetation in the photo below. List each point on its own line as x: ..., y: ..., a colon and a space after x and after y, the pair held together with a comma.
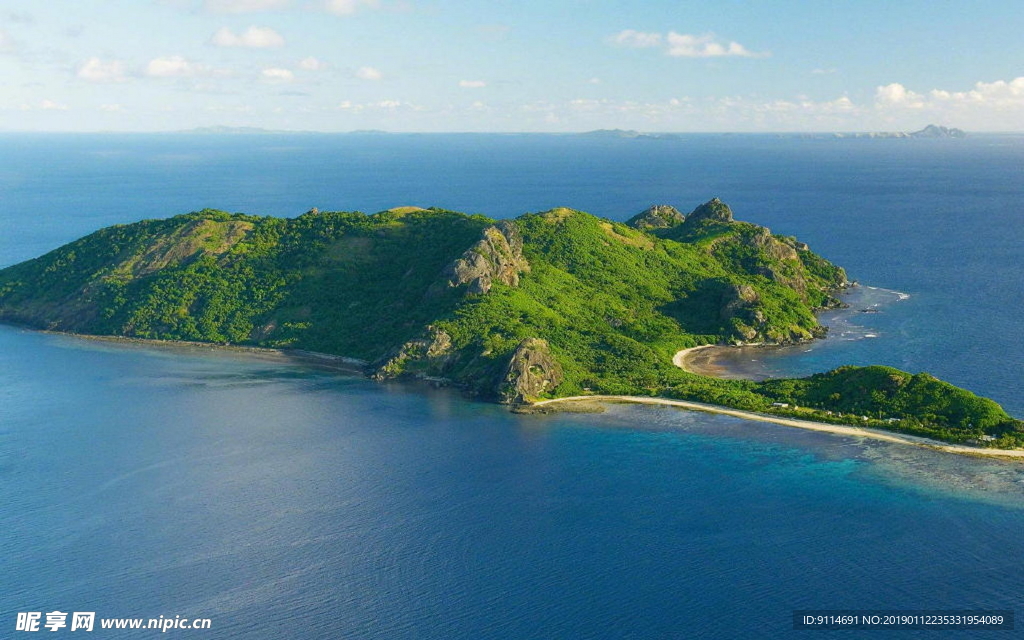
x: 549, y: 304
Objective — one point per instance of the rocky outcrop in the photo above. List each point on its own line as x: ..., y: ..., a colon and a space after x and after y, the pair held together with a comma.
x: 712, y: 213
x: 782, y: 263
x: 196, y: 238
x: 497, y: 257
x: 737, y: 298
x: 659, y: 216
x: 713, y: 210
x: 741, y: 310
x: 773, y: 247
x: 531, y: 372
x: 432, y: 350
x: 781, y: 254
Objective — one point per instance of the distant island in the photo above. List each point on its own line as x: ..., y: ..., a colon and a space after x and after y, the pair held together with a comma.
x: 931, y: 131
x: 544, y: 306
x: 628, y: 134
x: 223, y: 130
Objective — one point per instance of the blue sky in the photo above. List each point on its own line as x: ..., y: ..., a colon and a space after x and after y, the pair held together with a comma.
x: 531, y: 65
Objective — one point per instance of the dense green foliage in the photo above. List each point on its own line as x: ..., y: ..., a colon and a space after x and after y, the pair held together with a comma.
x: 335, y: 282
x: 920, y: 403
x: 439, y: 293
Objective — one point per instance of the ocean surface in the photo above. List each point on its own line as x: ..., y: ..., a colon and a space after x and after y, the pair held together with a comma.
x: 282, y: 501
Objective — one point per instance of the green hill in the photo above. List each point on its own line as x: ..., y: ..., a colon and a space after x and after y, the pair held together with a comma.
x: 549, y: 304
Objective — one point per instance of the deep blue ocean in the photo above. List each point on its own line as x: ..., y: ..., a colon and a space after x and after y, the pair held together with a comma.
x: 282, y: 501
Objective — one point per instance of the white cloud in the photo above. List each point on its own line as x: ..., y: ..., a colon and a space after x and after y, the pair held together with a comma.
x: 170, y: 67
x: 275, y: 74
x: 113, y: 108
x: 347, y: 7
x: 636, y: 39
x: 1000, y: 94
x: 252, y: 38
x: 594, y: 80
x: 96, y: 70
x: 472, y: 84
x: 984, y: 106
x: 382, y: 105
x: 684, y: 45
x: 50, y: 105
x: 802, y: 106
x: 312, y: 64
x: 824, y: 72
x: 1014, y: 87
x: 368, y: 73
x: 988, y: 105
x: 244, y: 6
x: 896, y: 94
x: 997, y: 105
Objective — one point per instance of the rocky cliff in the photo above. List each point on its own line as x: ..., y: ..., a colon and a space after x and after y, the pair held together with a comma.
x: 532, y: 372
x: 497, y: 257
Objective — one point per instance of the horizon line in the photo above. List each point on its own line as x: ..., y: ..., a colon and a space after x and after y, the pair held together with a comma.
x: 241, y: 130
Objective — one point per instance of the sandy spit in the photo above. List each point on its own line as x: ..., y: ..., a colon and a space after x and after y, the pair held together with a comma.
x: 858, y: 432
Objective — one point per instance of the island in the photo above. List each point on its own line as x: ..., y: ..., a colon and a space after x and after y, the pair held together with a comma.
x: 930, y: 131
x: 546, y: 306
x: 627, y: 134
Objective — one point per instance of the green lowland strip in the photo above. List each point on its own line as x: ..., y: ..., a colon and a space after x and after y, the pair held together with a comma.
x: 547, y: 305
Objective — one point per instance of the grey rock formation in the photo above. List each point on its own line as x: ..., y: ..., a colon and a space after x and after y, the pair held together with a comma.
x: 659, y: 216
x: 714, y: 210
x: 531, y: 371
x: 497, y: 257
x: 737, y: 298
x: 434, y: 348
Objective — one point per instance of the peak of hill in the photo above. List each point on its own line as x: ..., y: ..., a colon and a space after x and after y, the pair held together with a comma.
x: 658, y: 216
x: 713, y: 210
x: 555, y: 303
x: 936, y: 131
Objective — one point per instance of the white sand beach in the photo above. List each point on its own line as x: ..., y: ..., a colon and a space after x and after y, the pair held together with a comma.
x: 859, y: 432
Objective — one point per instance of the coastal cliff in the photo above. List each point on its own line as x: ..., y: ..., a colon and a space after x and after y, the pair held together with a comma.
x: 549, y: 304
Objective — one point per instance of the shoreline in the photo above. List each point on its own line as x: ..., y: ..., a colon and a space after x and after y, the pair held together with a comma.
x: 723, y: 360
x: 355, y: 365
x: 702, y: 362
x: 707, y: 360
x: 300, y: 356
x: 848, y: 431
